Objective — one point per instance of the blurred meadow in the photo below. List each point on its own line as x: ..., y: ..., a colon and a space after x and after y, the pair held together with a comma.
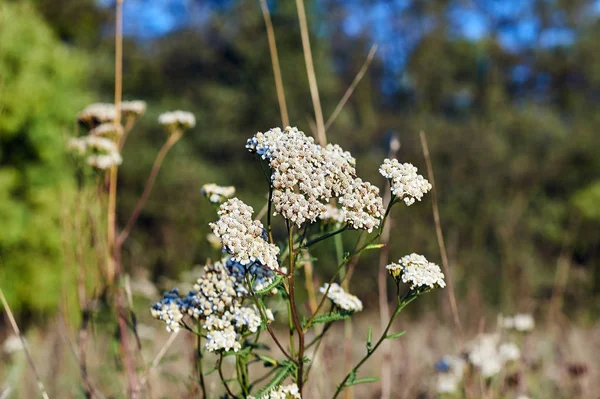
x: 504, y: 93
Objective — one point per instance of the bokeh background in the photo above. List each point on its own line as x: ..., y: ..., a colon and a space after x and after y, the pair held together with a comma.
x: 507, y: 91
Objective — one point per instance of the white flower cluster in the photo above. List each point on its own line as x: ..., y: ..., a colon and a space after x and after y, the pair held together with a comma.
x: 242, y: 237
x: 417, y: 271
x: 281, y: 392
x: 306, y: 176
x: 217, y: 301
x: 180, y: 119
x: 451, y: 370
x: 489, y: 355
x: 107, y: 129
x: 342, y: 299
x: 362, y: 205
x: 97, y: 113
x: 405, y: 182
x: 333, y: 214
x: 522, y: 322
x: 217, y: 194
x: 134, y: 108
x: 102, y: 152
x: 225, y: 339
x: 169, y: 310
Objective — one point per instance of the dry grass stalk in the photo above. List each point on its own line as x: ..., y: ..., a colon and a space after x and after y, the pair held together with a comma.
x: 352, y: 87
x: 158, y: 357
x: 440, y: 236
x: 285, y: 120
x: 15, y: 328
x: 310, y: 70
x: 113, y: 256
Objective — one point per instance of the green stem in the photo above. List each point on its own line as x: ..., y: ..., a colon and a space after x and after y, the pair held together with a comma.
x: 242, y: 375
x: 223, y: 378
x: 264, y: 318
x: 294, y: 310
x: 325, y: 236
x: 199, y: 363
x: 401, y: 305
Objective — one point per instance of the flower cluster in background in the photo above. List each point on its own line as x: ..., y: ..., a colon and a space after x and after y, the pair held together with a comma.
x: 217, y: 194
x: 341, y: 298
x: 521, y: 322
x: 488, y: 355
x: 100, y: 152
x: 177, y: 120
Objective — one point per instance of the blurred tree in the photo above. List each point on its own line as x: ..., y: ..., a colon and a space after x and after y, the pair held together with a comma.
x: 41, y: 82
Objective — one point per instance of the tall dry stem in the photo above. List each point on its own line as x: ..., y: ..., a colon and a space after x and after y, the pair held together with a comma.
x: 17, y: 331
x: 440, y: 236
x: 310, y: 70
x: 275, y: 61
x: 351, y: 88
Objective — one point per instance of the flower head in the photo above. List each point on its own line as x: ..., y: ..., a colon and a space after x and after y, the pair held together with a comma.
x: 489, y: 354
x: 217, y: 194
x: 97, y: 113
x: 341, y: 298
x: 102, y: 153
x: 242, y: 237
x: 134, y: 108
x: 405, y: 182
x: 450, y: 374
x: 417, y: 271
x: 333, y: 214
x: 522, y: 322
x: 306, y: 176
x: 281, y: 392
x: 177, y: 119
x: 168, y: 309
x: 363, y: 207
x: 107, y: 129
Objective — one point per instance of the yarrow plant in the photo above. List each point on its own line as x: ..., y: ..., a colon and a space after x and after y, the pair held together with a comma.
x: 98, y: 155
x: 316, y: 193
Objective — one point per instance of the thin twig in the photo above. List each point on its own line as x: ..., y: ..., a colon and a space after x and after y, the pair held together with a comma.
x: 440, y: 236
x: 173, y: 138
x: 351, y: 88
x: 15, y: 327
x: 310, y: 70
x: 275, y: 61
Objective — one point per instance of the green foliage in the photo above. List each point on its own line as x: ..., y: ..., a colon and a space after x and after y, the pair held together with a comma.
x: 587, y: 201
x: 41, y: 82
x: 287, y: 369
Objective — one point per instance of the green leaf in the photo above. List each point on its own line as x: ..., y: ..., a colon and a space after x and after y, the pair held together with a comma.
x: 268, y: 361
x: 287, y: 369
x: 366, y: 380
x: 396, y: 335
x: 373, y: 246
x: 328, y: 318
x: 270, y: 287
